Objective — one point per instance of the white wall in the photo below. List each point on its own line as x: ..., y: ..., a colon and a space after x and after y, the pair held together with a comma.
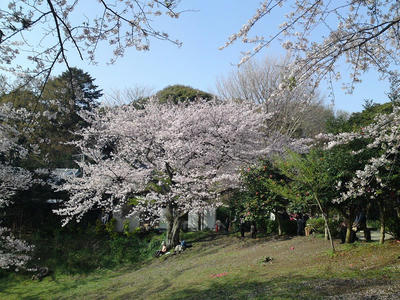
x: 207, y: 220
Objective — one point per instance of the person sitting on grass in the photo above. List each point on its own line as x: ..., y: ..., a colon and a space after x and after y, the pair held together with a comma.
x: 178, y: 249
x: 185, y: 245
x: 162, y: 251
x: 181, y: 247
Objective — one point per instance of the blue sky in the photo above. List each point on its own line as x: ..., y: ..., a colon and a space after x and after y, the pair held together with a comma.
x: 198, y: 63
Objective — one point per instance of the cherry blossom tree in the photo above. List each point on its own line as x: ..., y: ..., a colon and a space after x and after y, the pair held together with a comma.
x: 13, y: 252
x: 42, y: 33
x: 321, y: 34
x: 167, y: 157
x: 378, y: 178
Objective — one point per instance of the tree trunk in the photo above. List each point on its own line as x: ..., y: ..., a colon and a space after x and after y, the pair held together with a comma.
x: 173, y: 230
x: 348, y: 215
x: 326, y: 235
x: 326, y: 222
x: 349, y: 225
x: 348, y: 234
x: 382, y: 220
x: 278, y: 220
x: 174, y: 222
x: 200, y: 221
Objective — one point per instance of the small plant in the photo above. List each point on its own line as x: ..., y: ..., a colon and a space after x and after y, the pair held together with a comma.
x: 110, y: 228
x: 266, y: 259
x: 100, y: 228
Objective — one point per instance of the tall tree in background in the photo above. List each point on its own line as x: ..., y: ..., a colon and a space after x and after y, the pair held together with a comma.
x: 56, y: 115
x: 135, y: 95
x: 298, y: 111
x: 82, y: 90
x: 180, y: 93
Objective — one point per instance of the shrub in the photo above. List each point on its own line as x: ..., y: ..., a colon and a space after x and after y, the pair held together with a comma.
x: 271, y: 226
x: 93, y: 247
x: 318, y: 225
x: 393, y: 226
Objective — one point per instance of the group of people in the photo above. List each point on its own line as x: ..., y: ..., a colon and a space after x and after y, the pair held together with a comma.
x: 243, y: 226
x: 178, y: 248
x: 302, y: 229
x: 360, y: 223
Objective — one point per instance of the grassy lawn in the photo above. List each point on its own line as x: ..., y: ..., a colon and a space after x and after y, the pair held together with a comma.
x: 227, y: 267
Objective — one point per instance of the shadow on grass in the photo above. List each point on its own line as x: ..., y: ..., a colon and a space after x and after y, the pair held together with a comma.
x: 211, y: 236
x: 202, y: 237
x: 22, y: 287
x: 250, y: 289
x: 288, y: 287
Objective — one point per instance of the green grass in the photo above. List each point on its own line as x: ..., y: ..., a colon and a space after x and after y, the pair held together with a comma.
x: 302, y: 268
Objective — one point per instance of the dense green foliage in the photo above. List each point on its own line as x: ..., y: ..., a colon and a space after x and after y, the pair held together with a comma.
x: 80, y: 248
x: 309, y: 183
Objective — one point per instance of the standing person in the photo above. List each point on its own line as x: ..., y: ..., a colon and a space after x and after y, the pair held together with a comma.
x: 300, y: 224
x: 241, y: 225
x: 343, y: 231
x: 219, y: 226
x: 227, y: 224
x: 360, y: 223
x: 253, y: 230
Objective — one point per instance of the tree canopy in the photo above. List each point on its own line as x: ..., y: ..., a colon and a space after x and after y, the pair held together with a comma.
x: 173, y: 156
x: 180, y: 93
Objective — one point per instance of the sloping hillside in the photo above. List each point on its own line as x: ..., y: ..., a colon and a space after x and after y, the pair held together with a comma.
x: 222, y: 267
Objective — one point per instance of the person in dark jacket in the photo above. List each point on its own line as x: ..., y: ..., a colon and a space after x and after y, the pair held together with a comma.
x: 300, y: 224
x: 360, y: 223
x: 253, y: 230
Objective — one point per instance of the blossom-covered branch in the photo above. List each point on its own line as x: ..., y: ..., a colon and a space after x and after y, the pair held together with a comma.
x: 45, y: 32
x: 382, y: 135
x: 13, y: 252
x: 320, y: 34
